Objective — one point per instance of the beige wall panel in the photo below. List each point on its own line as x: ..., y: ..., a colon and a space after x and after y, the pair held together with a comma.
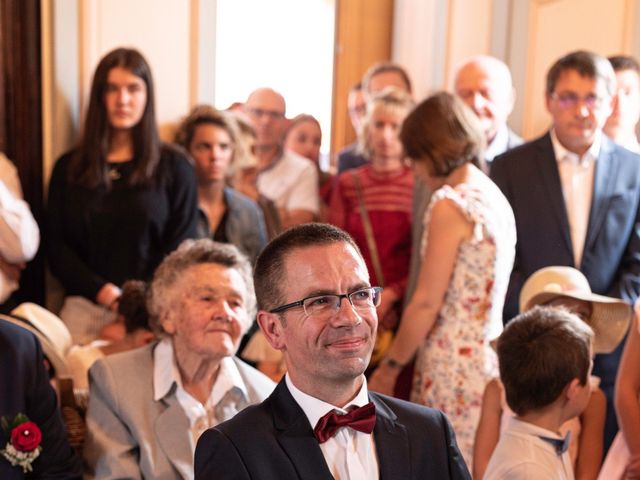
x: 362, y: 37
x: 557, y: 27
x: 162, y: 31
x: 469, y: 33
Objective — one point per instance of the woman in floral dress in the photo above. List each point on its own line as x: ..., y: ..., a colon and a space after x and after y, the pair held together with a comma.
x: 467, y: 255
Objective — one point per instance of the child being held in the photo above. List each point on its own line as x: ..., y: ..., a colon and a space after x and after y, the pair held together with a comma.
x: 545, y: 363
x: 567, y: 288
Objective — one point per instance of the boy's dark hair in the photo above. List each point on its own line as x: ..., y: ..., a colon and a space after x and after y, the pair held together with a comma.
x: 540, y: 352
x: 133, y: 306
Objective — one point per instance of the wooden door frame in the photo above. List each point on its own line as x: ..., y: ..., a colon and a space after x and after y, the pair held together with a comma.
x: 21, y: 116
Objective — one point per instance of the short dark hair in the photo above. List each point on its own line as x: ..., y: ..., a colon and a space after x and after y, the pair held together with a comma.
x: 540, y: 352
x: 88, y: 166
x: 624, y: 62
x: 269, y: 269
x: 133, y: 306
x: 443, y: 132
x: 587, y: 64
x: 384, y: 67
x: 188, y: 254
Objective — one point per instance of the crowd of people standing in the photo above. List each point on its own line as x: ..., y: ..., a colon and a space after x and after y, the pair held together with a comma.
x: 429, y: 235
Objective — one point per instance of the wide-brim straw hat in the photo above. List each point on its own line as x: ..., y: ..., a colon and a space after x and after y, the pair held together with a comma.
x: 610, y: 317
x: 52, y: 333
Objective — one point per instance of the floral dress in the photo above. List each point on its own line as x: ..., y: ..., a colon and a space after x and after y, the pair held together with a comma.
x: 455, y: 361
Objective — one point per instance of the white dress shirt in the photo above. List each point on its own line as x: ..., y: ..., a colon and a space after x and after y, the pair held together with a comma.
x: 350, y: 454
x: 499, y: 144
x: 291, y: 183
x: 576, y: 175
x: 521, y: 453
x: 19, y: 233
x: 228, y: 395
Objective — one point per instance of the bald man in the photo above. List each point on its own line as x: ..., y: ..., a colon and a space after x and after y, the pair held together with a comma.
x: 289, y: 180
x: 484, y: 84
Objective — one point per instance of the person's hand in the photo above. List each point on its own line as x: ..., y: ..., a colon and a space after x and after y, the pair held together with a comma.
x: 11, y: 270
x: 108, y: 296
x: 383, y: 379
x: 632, y: 472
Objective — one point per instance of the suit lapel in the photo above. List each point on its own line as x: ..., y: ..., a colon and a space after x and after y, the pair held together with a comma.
x: 605, y: 176
x: 295, y: 436
x: 170, y: 421
x: 392, y: 442
x: 548, y: 166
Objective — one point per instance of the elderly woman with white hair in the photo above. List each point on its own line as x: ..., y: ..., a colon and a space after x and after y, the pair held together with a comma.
x: 148, y: 406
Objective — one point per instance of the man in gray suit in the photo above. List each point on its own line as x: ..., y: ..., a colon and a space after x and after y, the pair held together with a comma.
x: 148, y: 406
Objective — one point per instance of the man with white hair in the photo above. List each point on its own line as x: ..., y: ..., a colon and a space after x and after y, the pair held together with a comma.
x: 484, y: 84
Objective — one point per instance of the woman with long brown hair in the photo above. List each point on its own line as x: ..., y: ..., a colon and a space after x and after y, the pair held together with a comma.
x: 120, y: 201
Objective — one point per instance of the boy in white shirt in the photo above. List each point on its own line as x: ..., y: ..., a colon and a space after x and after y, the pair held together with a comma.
x: 545, y: 364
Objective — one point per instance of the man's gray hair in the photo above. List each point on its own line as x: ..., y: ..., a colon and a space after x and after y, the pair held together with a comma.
x: 189, y: 254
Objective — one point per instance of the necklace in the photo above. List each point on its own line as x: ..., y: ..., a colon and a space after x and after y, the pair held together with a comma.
x: 114, y: 172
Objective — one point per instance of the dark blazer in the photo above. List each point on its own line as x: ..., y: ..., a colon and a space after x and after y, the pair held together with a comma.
x: 529, y: 178
x: 25, y: 388
x: 349, y: 158
x: 274, y: 441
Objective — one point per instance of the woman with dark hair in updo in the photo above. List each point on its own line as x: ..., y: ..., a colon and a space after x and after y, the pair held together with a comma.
x: 120, y: 201
x: 467, y: 254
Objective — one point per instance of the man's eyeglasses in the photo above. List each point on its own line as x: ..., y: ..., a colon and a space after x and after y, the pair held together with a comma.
x: 259, y: 112
x: 571, y: 100
x: 328, y: 304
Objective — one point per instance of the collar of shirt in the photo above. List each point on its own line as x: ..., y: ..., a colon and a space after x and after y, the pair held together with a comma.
x: 590, y: 155
x: 525, y: 428
x: 315, y: 408
x: 165, y: 374
x: 499, y: 144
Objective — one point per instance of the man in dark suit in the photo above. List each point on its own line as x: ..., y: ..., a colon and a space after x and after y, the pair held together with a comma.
x: 318, y: 308
x: 575, y: 196
x: 25, y: 388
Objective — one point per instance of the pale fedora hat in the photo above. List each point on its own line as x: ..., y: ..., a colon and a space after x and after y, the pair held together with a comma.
x: 609, y: 318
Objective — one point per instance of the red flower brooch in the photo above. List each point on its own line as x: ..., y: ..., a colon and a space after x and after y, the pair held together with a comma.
x: 23, y: 446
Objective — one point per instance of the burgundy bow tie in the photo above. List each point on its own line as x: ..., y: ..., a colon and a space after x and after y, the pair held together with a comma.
x: 362, y: 419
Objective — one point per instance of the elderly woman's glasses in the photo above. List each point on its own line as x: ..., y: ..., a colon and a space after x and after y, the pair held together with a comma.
x: 329, y: 304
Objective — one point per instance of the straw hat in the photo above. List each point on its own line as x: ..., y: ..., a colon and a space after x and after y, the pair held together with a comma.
x: 609, y: 319
x: 52, y: 333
